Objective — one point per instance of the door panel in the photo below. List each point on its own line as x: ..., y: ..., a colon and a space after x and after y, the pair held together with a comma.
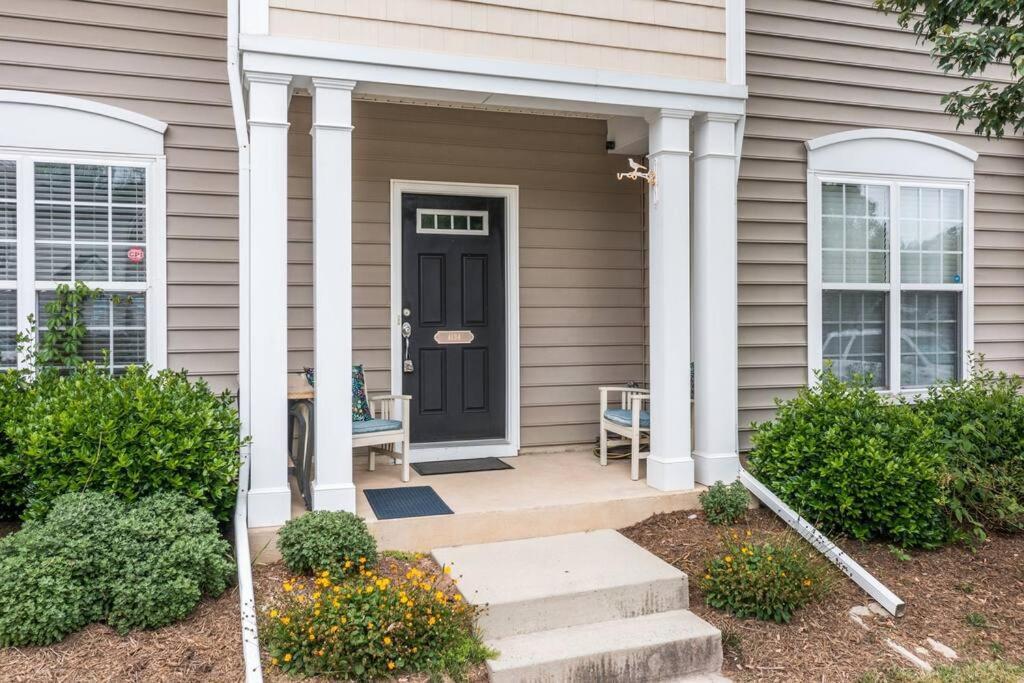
x: 453, y: 280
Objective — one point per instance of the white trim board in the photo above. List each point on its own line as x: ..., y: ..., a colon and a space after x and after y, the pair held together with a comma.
x: 510, y: 193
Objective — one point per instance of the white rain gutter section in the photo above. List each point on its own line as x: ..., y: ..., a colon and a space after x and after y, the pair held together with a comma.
x: 246, y: 597
x: 833, y: 553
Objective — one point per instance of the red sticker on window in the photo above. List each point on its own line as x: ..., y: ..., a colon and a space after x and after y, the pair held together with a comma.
x: 135, y: 254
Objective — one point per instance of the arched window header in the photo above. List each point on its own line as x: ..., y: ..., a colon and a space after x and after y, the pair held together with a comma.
x: 883, y: 151
x: 45, y: 121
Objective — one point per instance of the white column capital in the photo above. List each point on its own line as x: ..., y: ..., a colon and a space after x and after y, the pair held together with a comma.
x: 268, y: 98
x: 332, y: 83
x: 669, y: 132
x: 267, y: 77
x: 332, y: 104
x: 715, y: 135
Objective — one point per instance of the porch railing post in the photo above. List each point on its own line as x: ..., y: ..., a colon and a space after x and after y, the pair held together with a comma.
x: 332, y: 292
x: 267, y: 299
x: 669, y: 464
x: 715, y: 299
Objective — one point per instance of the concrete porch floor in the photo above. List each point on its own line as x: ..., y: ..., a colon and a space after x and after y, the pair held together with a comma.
x: 545, y: 495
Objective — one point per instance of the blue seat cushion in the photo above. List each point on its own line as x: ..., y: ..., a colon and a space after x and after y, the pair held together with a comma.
x: 624, y: 417
x: 371, y: 426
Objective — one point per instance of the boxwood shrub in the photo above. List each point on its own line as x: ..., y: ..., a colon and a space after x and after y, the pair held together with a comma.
x: 338, y: 542
x: 94, y: 558
x: 14, y: 395
x: 850, y: 460
x: 130, y: 435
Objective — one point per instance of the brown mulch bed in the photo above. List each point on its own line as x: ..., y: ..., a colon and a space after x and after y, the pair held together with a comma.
x: 206, y: 646
x: 941, y: 588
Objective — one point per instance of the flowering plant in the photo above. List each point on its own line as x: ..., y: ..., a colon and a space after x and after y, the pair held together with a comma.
x: 766, y: 580
x: 372, y: 624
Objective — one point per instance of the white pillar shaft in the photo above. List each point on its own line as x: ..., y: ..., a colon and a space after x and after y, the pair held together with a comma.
x: 332, y: 292
x: 269, y: 494
x: 669, y: 464
x: 715, y: 300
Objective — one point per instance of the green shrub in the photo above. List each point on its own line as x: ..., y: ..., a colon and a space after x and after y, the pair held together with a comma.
x: 764, y: 580
x: 322, y: 540
x: 14, y: 395
x: 848, y: 459
x: 367, y: 627
x: 725, y: 504
x: 979, y: 427
x: 132, y: 435
x: 94, y: 558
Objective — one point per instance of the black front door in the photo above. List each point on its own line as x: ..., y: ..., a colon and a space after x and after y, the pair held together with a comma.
x: 453, y: 297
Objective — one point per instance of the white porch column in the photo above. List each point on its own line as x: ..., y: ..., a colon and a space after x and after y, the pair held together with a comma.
x: 269, y: 495
x: 332, y: 292
x: 669, y: 464
x: 715, y: 301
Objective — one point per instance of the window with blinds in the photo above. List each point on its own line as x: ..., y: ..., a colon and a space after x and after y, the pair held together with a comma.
x: 85, y: 222
x: 892, y: 288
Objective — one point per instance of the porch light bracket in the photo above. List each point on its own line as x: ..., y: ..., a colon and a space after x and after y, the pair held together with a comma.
x: 639, y: 172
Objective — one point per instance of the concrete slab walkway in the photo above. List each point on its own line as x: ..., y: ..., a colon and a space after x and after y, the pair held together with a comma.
x: 590, y: 606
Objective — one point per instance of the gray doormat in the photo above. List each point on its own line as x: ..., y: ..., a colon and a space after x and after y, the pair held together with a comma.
x: 456, y: 466
x: 406, y: 501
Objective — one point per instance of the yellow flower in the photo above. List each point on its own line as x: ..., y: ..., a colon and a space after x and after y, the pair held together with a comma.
x: 273, y: 660
x: 312, y: 637
x: 783, y: 573
x: 348, y: 564
x: 362, y: 560
x: 334, y: 629
x: 391, y: 665
x: 807, y: 582
x: 707, y: 576
x: 344, y: 620
x: 728, y: 558
x: 288, y: 657
x: 369, y: 625
x: 287, y: 587
x: 457, y: 597
x: 447, y: 570
x: 285, y: 620
x: 748, y: 533
x: 431, y: 621
x: 273, y: 614
x: 387, y: 640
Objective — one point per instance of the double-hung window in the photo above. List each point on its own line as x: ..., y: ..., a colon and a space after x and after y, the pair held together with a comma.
x: 94, y: 216
x: 889, y: 270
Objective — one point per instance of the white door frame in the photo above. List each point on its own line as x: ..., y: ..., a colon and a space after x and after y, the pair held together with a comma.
x: 509, y: 446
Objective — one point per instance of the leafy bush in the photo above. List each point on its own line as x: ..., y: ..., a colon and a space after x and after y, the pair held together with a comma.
x: 764, y: 580
x: 95, y: 558
x: 132, y: 435
x: 849, y: 460
x: 979, y: 427
x: 322, y: 540
x: 14, y: 395
x: 369, y: 626
x: 724, y: 504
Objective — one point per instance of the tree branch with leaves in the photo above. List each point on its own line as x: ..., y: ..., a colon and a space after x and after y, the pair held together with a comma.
x: 974, y: 38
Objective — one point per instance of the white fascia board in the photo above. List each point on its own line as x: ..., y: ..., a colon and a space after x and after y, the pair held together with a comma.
x: 498, y: 82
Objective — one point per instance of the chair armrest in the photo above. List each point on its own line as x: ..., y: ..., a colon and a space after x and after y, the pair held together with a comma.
x: 391, y: 397
x: 635, y: 390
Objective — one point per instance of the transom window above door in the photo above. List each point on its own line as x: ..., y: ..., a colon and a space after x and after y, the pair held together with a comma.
x: 452, y: 222
x: 889, y: 291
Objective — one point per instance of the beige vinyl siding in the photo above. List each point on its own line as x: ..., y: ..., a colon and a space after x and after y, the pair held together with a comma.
x: 165, y: 60
x: 581, y: 247
x: 815, y: 68
x: 678, y: 38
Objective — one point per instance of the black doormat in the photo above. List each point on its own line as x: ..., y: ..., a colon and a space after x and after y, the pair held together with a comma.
x: 406, y: 501
x: 456, y: 466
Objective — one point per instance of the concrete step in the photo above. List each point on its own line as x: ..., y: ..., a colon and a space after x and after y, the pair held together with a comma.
x: 669, y: 646
x: 540, y: 584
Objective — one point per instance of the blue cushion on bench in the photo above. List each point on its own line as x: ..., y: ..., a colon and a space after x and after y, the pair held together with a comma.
x: 371, y: 426
x: 624, y: 417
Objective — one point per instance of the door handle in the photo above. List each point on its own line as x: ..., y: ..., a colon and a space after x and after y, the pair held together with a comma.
x: 406, y: 334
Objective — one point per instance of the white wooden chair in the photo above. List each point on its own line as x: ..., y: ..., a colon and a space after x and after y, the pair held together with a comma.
x: 630, y: 422
x: 381, y: 433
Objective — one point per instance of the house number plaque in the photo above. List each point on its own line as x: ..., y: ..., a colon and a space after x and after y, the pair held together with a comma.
x: 453, y: 336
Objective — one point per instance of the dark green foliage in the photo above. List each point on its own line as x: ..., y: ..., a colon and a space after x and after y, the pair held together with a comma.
x: 326, y: 541
x: 849, y: 460
x: 61, y: 341
x: 131, y: 435
x: 94, y: 558
x: 968, y: 37
x: 725, y: 504
x: 979, y: 426
x: 14, y: 394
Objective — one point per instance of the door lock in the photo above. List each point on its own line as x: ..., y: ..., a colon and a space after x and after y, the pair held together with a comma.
x: 406, y: 333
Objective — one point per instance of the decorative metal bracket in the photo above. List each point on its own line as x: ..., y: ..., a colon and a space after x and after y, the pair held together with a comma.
x: 639, y: 172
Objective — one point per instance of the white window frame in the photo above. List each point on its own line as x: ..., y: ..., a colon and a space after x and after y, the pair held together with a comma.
x: 453, y: 232
x: 857, y: 157
x: 42, y: 127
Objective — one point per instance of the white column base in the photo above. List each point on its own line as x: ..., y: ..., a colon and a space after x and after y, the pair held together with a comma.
x: 337, y: 497
x: 714, y: 467
x: 670, y: 475
x: 269, y: 507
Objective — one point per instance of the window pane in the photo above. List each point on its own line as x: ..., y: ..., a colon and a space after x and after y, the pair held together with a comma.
x: 8, y: 222
x: 855, y: 233
x: 929, y: 337
x: 116, y: 328
x: 8, y: 328
x: 100, y: 235
x: 931, y: 241
x: 854, y: 334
